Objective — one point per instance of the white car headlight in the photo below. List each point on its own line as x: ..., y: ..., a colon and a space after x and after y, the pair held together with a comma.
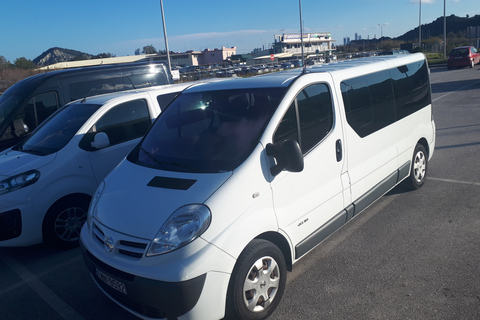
x: 184, y: 225
x: 94, y: 201
x: 19, y: 181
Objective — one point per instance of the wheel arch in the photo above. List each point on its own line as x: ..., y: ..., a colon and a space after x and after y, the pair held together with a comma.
x: 424, y: 143
x: 66, y: 198
x: 282, y: 243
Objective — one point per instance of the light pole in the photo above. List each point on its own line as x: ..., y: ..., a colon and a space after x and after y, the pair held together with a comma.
x: 420, y: 26
x: 166, y: 40
x: 444, y: 29
x: 381, y: 30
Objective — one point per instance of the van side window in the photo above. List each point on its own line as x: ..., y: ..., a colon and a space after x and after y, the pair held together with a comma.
x: 412, y: 88
x: 309, y: 118
x: 369, y: 102
x: 148, y: 80
x: 165, y: 99
x: 377, y: 100
x: 79, y: 90
x: 39, y: 108
x: 127, y: 121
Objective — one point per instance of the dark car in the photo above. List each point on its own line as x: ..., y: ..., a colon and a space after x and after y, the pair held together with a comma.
x: 466, y: 56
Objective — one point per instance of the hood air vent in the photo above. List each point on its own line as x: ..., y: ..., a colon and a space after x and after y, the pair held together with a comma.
x: 171, y: 183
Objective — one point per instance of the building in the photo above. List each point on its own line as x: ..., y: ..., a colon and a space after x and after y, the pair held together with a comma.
x: 313, y: 43
x: 199, y: 58
x: 189, y: 58
x: 288, y: 46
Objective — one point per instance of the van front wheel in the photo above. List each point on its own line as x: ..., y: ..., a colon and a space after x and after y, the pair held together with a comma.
x: 257, y: 283
x: 64, y: 221
x: 418, y: 170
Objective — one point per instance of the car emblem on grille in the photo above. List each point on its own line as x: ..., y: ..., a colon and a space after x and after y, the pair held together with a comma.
x: 109, y: 244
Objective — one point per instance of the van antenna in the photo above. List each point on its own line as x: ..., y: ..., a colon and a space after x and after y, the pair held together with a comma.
x: 301, y: 36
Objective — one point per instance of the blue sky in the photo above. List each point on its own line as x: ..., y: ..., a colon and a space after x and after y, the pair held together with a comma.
x: 30, y: 27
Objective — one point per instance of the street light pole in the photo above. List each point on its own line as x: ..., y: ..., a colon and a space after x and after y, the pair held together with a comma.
x: 166, y: 40
x: 444, y: 29
x: 420, y: 26
x: 301, y: 35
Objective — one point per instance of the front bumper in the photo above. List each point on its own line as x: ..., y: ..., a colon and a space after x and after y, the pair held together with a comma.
x: 188, y: 283
x: 20, y: 220
x: 145, y: 297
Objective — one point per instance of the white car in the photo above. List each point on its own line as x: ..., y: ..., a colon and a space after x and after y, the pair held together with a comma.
x: 238, y: 180
x: 47, y: 181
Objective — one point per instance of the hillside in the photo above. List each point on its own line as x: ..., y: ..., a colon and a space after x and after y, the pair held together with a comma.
x: 435, y: 29
x: 55, y: 55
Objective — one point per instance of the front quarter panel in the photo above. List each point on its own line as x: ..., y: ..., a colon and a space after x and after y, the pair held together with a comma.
x: 242, y: 207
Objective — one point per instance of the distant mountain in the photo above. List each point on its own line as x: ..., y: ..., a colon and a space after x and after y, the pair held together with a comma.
x: 435, y: 29
x: 55, y: 55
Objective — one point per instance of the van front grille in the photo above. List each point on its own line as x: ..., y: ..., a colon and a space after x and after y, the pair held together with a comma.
x: 134, y: 249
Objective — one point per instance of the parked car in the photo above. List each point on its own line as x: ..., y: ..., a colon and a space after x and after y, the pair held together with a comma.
x: 467, y: 56
x: 30, y: 101
x: 237, y: 180
x: 47, y: 181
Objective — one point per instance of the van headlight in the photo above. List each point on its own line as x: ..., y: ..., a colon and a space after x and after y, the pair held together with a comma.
x: 19, y: 181
x: 93, y: 203
x: 184, y: 225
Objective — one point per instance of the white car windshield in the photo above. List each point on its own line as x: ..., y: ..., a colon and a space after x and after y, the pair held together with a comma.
x: 58, y: 129
x: 207, y: 132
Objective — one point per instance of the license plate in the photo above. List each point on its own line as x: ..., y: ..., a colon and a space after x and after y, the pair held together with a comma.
x: 115, y: 284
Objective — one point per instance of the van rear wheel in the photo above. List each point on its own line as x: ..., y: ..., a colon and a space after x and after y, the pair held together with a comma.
x: 418, y: 170
x: 257, y: 283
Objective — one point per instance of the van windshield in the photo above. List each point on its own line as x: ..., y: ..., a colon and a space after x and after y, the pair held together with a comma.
x: 7, y: 104
x: 208, y: 132
x: 54, y: 133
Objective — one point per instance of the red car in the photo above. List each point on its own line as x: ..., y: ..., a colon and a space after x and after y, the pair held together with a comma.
x: 466, y: 56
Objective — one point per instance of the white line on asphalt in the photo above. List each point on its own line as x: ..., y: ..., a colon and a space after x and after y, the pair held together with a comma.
x: 455, y: 181
x: 462, y: 88
x: 60, y: 306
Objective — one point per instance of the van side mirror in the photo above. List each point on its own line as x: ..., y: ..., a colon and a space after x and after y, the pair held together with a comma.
x: 100, y: 141
x: 288, y: 157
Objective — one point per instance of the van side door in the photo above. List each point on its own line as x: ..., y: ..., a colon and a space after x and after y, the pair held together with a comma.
x: 373, y: 140
x: 307, y: 200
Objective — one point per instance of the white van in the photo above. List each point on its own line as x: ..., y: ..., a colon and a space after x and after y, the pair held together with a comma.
x: 237, y: 180
x: 47, y: 181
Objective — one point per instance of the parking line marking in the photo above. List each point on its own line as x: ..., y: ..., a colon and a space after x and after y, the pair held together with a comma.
x: 50, y: 297
x: 462, y: 88
x: 455, y: 181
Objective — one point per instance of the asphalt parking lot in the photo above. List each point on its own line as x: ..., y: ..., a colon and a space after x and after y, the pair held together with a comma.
x: 411, y: 255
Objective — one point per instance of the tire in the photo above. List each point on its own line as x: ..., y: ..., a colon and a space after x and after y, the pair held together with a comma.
x: 418, y: 170
x: 64, y: 220
x: 254, y: 295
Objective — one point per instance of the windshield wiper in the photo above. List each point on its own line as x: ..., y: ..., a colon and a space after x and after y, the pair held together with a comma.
x: 163, y: 164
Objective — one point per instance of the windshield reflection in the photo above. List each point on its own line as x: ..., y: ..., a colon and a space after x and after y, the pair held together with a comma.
x: 211, y: 131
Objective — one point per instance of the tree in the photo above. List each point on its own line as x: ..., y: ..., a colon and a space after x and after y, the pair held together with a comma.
x: 24, y: 63
x: 4, y: 63
x: 149, y: 49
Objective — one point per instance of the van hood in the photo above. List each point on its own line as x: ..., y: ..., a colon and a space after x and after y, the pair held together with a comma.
x: 14, y: 162
x: 138, y: 200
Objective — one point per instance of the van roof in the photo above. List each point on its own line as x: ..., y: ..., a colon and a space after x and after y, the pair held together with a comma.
x: 285, y: 78
x: 37, y: 79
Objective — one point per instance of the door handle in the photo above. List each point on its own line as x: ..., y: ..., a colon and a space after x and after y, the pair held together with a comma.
x: 339, y: 150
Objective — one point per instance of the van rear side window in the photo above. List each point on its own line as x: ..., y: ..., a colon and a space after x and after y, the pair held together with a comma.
x: 85, y: 89
x: 377, y: 100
